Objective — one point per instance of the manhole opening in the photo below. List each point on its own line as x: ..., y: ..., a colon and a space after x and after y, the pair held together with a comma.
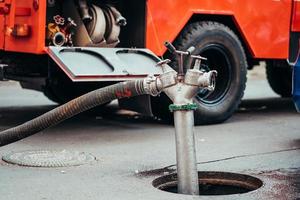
x: 213, y: 183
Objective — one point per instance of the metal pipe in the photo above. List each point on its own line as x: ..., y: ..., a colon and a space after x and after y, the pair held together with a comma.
x: 186, y: 153
x: 181, y: 89
x: 182, y: 93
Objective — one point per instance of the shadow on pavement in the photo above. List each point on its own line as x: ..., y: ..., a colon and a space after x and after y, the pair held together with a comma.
x: 274, y: 105
x: 11, y: 116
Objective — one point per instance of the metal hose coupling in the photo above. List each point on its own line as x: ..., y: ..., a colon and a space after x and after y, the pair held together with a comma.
x: 152, y: 85
x: 59, y: 39
x: 208, y: 80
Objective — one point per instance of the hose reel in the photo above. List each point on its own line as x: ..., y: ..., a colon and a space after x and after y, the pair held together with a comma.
x: 92, y: 25
x: 102, y: 23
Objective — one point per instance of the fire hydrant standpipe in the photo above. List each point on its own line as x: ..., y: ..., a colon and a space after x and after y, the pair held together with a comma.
x: 180, y: 88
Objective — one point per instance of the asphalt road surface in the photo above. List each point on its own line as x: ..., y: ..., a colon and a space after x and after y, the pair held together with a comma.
x: 262, y: 139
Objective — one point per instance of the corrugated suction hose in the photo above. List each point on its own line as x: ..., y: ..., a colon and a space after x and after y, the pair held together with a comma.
x: 74, y: 107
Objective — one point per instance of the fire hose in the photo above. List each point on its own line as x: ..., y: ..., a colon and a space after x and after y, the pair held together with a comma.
x: 90, y: 100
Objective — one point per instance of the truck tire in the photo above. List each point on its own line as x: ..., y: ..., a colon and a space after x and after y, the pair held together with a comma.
x: 225, y: 54
x: 52, y: 96
x: 279, y: 75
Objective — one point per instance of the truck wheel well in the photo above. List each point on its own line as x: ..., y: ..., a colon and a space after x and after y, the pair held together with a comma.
x: 230, y: 22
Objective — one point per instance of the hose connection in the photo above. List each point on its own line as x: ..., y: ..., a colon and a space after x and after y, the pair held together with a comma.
x: 152, y: 85
x: 208, y: 80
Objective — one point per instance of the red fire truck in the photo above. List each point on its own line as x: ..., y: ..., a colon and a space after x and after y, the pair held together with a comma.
x: 65, y: 48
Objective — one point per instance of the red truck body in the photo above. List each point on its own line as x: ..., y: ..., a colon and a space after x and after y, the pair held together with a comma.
x: 233, y: 34
x: 264, y: 25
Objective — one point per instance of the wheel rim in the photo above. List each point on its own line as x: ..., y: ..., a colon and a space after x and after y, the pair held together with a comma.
x: 220, y: 59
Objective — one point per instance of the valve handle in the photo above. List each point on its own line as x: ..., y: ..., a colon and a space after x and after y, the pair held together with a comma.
x: 198, y: 57
x: 173, y: 50
x: 190, y: 50
x: 198, y: 60
x: 163, y: 65
x: 163, y: 62
x: 170, y: 47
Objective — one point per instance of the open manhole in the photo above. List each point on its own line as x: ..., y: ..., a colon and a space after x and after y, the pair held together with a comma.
x: 46, y: 158
x: 213, y: 183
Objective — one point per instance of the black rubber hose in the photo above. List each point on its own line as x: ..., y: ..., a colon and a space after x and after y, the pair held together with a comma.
x: 74, y: 107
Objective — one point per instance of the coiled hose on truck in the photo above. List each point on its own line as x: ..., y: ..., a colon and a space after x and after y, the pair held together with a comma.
x: 74, y: 107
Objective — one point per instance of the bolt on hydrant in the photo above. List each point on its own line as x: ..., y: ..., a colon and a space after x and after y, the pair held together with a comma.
x: 181, y: 89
